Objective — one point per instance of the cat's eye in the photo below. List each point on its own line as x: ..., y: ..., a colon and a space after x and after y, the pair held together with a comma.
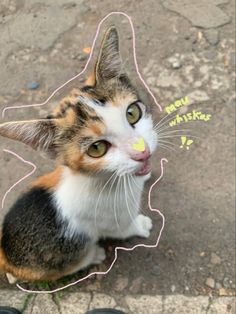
x: 98, y: 149
x: 133, y: 113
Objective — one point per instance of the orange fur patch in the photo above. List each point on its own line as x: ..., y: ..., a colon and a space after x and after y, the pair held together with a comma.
x: 96, y: 128
x: 93, y: 129
x: 68, y: 119
x: 50, y: 180
x: 91, y: 80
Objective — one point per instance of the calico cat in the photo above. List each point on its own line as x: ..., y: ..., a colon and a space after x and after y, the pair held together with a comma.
x: 101, y: 137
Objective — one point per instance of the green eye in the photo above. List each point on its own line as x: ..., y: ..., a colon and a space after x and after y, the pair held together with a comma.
x: 98, y: 149
x: 133, y: 113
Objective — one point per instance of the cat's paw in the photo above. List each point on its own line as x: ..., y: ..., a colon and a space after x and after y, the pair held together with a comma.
x: 99, y: 256
x: 11, y: 279
x: 144, y: 225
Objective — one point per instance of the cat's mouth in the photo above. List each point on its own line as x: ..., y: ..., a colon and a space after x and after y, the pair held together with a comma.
x: 145, y: 168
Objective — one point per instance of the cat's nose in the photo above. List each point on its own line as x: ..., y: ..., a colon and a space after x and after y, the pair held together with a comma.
x: 141, y: 156
x: 140, y: 150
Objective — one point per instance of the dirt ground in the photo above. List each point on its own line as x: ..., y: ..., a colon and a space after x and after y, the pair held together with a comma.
x: 184, y: 48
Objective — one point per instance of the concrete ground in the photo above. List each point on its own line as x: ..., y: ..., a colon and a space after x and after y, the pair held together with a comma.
x: 184, y: 48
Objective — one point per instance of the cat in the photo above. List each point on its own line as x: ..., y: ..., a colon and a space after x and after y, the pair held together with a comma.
x: 101, y: 137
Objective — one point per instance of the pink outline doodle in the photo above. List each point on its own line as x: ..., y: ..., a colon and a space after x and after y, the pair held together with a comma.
x: 23, y: 178
x: 34, y: 166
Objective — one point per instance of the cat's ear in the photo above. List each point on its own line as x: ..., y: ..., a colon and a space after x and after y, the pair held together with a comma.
x: 109, y: 63
x: 39, y: 134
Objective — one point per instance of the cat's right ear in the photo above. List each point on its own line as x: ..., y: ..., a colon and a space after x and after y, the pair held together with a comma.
x: 38, y: 134
x: 109, y: 63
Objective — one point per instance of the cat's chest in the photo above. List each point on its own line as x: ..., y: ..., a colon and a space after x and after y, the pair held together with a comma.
x: 98, y: 209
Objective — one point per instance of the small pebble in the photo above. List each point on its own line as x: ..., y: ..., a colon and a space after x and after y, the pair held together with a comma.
x: 210, y: 282
x: 210, y: 53
x: 33, y: 85
x: 156, y: 270
x: 226, y: 282
x: 175, y: 61
x: 81, y: 57
x: 42, y: 59
x: 84, y: 8
x: 12, y: 8
x: 215, y: 259
x: 69, y: 5
x: 53, y: 52
x: 176, y: 65
x: 218, y: 286
x: 173, y: 288
x: 212, y: 36
x: 223, y: 292
x: 151, y: 80
x: 198, y: 84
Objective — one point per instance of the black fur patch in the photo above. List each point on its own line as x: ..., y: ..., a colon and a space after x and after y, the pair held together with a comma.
x: 33, y: 236
x: 99, y: 99
x: 87, y: 89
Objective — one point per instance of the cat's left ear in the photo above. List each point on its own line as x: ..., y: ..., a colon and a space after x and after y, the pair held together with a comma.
x: 39, y: 134
x: 109, y: 63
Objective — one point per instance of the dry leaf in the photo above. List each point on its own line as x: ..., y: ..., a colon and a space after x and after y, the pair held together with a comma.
x: 87, y: 50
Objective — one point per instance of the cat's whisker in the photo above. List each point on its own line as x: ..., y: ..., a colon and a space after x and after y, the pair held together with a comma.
x: 172, y: 127
x: 99, y: 196
x: 134, y: 181
x: 127, y: 204
x: 117, y: 203
x: 162, y: 121
x: 138, y: 187
x: 167, y: 142
x: 141, y: 190
x: 166, y: 125
x: 173, y: 131
x: 167, y: 147
x: 131, y: 190
x: 112, y: 183
x: 178, y: 135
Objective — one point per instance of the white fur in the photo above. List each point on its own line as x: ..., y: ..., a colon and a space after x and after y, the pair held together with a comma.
x: 97, y: 207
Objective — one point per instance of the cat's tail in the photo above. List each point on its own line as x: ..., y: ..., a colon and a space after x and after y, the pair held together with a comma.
x: 5, y: 267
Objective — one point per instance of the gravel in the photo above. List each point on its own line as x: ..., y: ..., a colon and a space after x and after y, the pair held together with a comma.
x: 210, y: 282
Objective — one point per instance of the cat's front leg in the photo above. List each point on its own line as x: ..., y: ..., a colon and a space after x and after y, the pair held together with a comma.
x: 140, y: 226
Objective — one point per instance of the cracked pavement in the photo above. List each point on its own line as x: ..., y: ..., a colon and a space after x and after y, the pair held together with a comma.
x: 79, y: 303
x: 184, y: 48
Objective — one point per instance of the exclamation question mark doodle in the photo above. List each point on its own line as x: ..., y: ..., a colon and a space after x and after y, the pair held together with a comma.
x: 185, y: 141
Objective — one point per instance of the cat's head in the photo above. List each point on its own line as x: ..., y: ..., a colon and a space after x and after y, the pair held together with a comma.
x: 103, y: 126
